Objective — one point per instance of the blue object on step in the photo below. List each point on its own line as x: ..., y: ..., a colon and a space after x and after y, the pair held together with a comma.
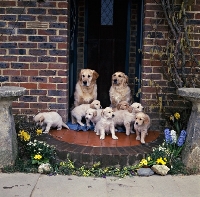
x: 78, y: 127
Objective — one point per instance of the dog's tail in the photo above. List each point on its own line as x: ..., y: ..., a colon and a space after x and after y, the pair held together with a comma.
x: 64, y: 125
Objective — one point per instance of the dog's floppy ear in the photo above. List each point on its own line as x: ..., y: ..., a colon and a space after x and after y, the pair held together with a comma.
x: 41, y: 118
x: 102, y: 113
x: 95, y: 75
x: 146, y: 119
x: 119, y: 106
x: 125, y: 80
x: 92, y: 106
x: 95, y: 113
x: 130, y: 109
x: 80, y: 75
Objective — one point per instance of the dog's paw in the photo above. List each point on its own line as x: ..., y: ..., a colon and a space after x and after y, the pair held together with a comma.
x: 102, y: 137
x: 138, y: 138
x: 142, y: 142
x: 114, y: 137
x: 127, y: 133
x: 46, y: 131
x: 132, y: 131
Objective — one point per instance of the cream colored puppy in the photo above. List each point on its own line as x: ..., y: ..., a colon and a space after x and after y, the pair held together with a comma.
x: 79, y: 112
x: 49, y: 120
x: 86, y: 87
x: 141, y: 126
x: 124, y: 118
x: 93, y: 115
x: 106, y: 124
x: 119, y: 90
x: 137, y: 107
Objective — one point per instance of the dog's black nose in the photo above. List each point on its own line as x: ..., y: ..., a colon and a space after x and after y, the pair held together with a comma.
x: 113, y: 115
x: 115, y: 80
x: 136, y: 123
x: 85, y: 83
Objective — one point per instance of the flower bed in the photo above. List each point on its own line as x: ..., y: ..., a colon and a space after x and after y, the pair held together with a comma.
x: 33, y: 154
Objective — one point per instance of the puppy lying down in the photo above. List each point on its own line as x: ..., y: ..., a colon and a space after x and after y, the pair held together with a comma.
x: 49, y: 120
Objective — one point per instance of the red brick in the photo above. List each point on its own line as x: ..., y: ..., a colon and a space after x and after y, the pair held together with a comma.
x: 49, y: 86
x: 8, y: 58
x: 29, y: 85
x: 11, y: 72
x: 40, y: 106
x: 7, y: 3
x: 62, y: 45
x: 17, y: 38
x: 29, y: 72
x: 38, y: 66
x: 57, y: 66
x: 62, y: 4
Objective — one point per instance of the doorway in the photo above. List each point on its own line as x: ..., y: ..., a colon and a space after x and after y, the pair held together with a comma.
x: 106, y: 41
x: 106, y: 38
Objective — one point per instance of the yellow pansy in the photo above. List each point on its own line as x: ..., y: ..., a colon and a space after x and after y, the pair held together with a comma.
x: 177, y: 115
x: 38, y: 157
x: 39, y: 131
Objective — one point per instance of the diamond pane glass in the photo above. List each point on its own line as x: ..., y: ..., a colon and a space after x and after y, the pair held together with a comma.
x: 106, y: 12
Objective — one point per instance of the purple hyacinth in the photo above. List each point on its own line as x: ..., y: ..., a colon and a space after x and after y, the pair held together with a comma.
x: 181, y: 138
x: 168, y: 137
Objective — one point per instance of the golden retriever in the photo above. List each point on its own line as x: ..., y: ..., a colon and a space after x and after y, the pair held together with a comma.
x: 49, y: 119
x: 119, y: 90
x: 141, y: 126
x: 79, y: 111
x: 106, y: 124
x: 86, y: 87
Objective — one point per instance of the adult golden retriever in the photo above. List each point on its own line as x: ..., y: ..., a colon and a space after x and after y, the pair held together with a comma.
x: 86, y: 87
x: 119, y: 90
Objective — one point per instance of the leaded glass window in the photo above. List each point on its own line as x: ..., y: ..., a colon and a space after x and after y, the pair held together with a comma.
x: 107, y: 12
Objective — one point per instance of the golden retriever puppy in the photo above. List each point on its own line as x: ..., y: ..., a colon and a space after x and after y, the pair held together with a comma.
x: 137, y: 107
x: 49, y: 120
x: 124, y: 118
x: 79, y: 112
x: 141, y: 126
x: 93, y: 115
x: 119, y: 90
x: 86, y: 87
x: 124, y: 105
x: 106, y: 124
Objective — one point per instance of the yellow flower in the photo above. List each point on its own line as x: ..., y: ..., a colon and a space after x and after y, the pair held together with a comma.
x: 177, y: 115
x: 39, y: 131
x: 143, y: 162
x: 160, y: 161
x: 24, y: 135
x: 148, y: 158
x: 38, y: 157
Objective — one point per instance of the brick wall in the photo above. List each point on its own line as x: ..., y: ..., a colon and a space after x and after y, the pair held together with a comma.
x: 34, y: 54
x: 157, y: 92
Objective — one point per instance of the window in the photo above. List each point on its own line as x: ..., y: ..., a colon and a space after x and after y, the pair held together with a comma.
x: 107, y: 12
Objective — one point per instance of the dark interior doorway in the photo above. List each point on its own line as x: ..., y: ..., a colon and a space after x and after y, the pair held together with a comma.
x: 106, y: 41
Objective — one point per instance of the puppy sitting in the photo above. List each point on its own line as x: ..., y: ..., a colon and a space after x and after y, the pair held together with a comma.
x: 106, y: 124
x: 141, y: 126
x: 93, y: 115
x: 79, y: 112
x: 49, y: 119
x: 119, y: 90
